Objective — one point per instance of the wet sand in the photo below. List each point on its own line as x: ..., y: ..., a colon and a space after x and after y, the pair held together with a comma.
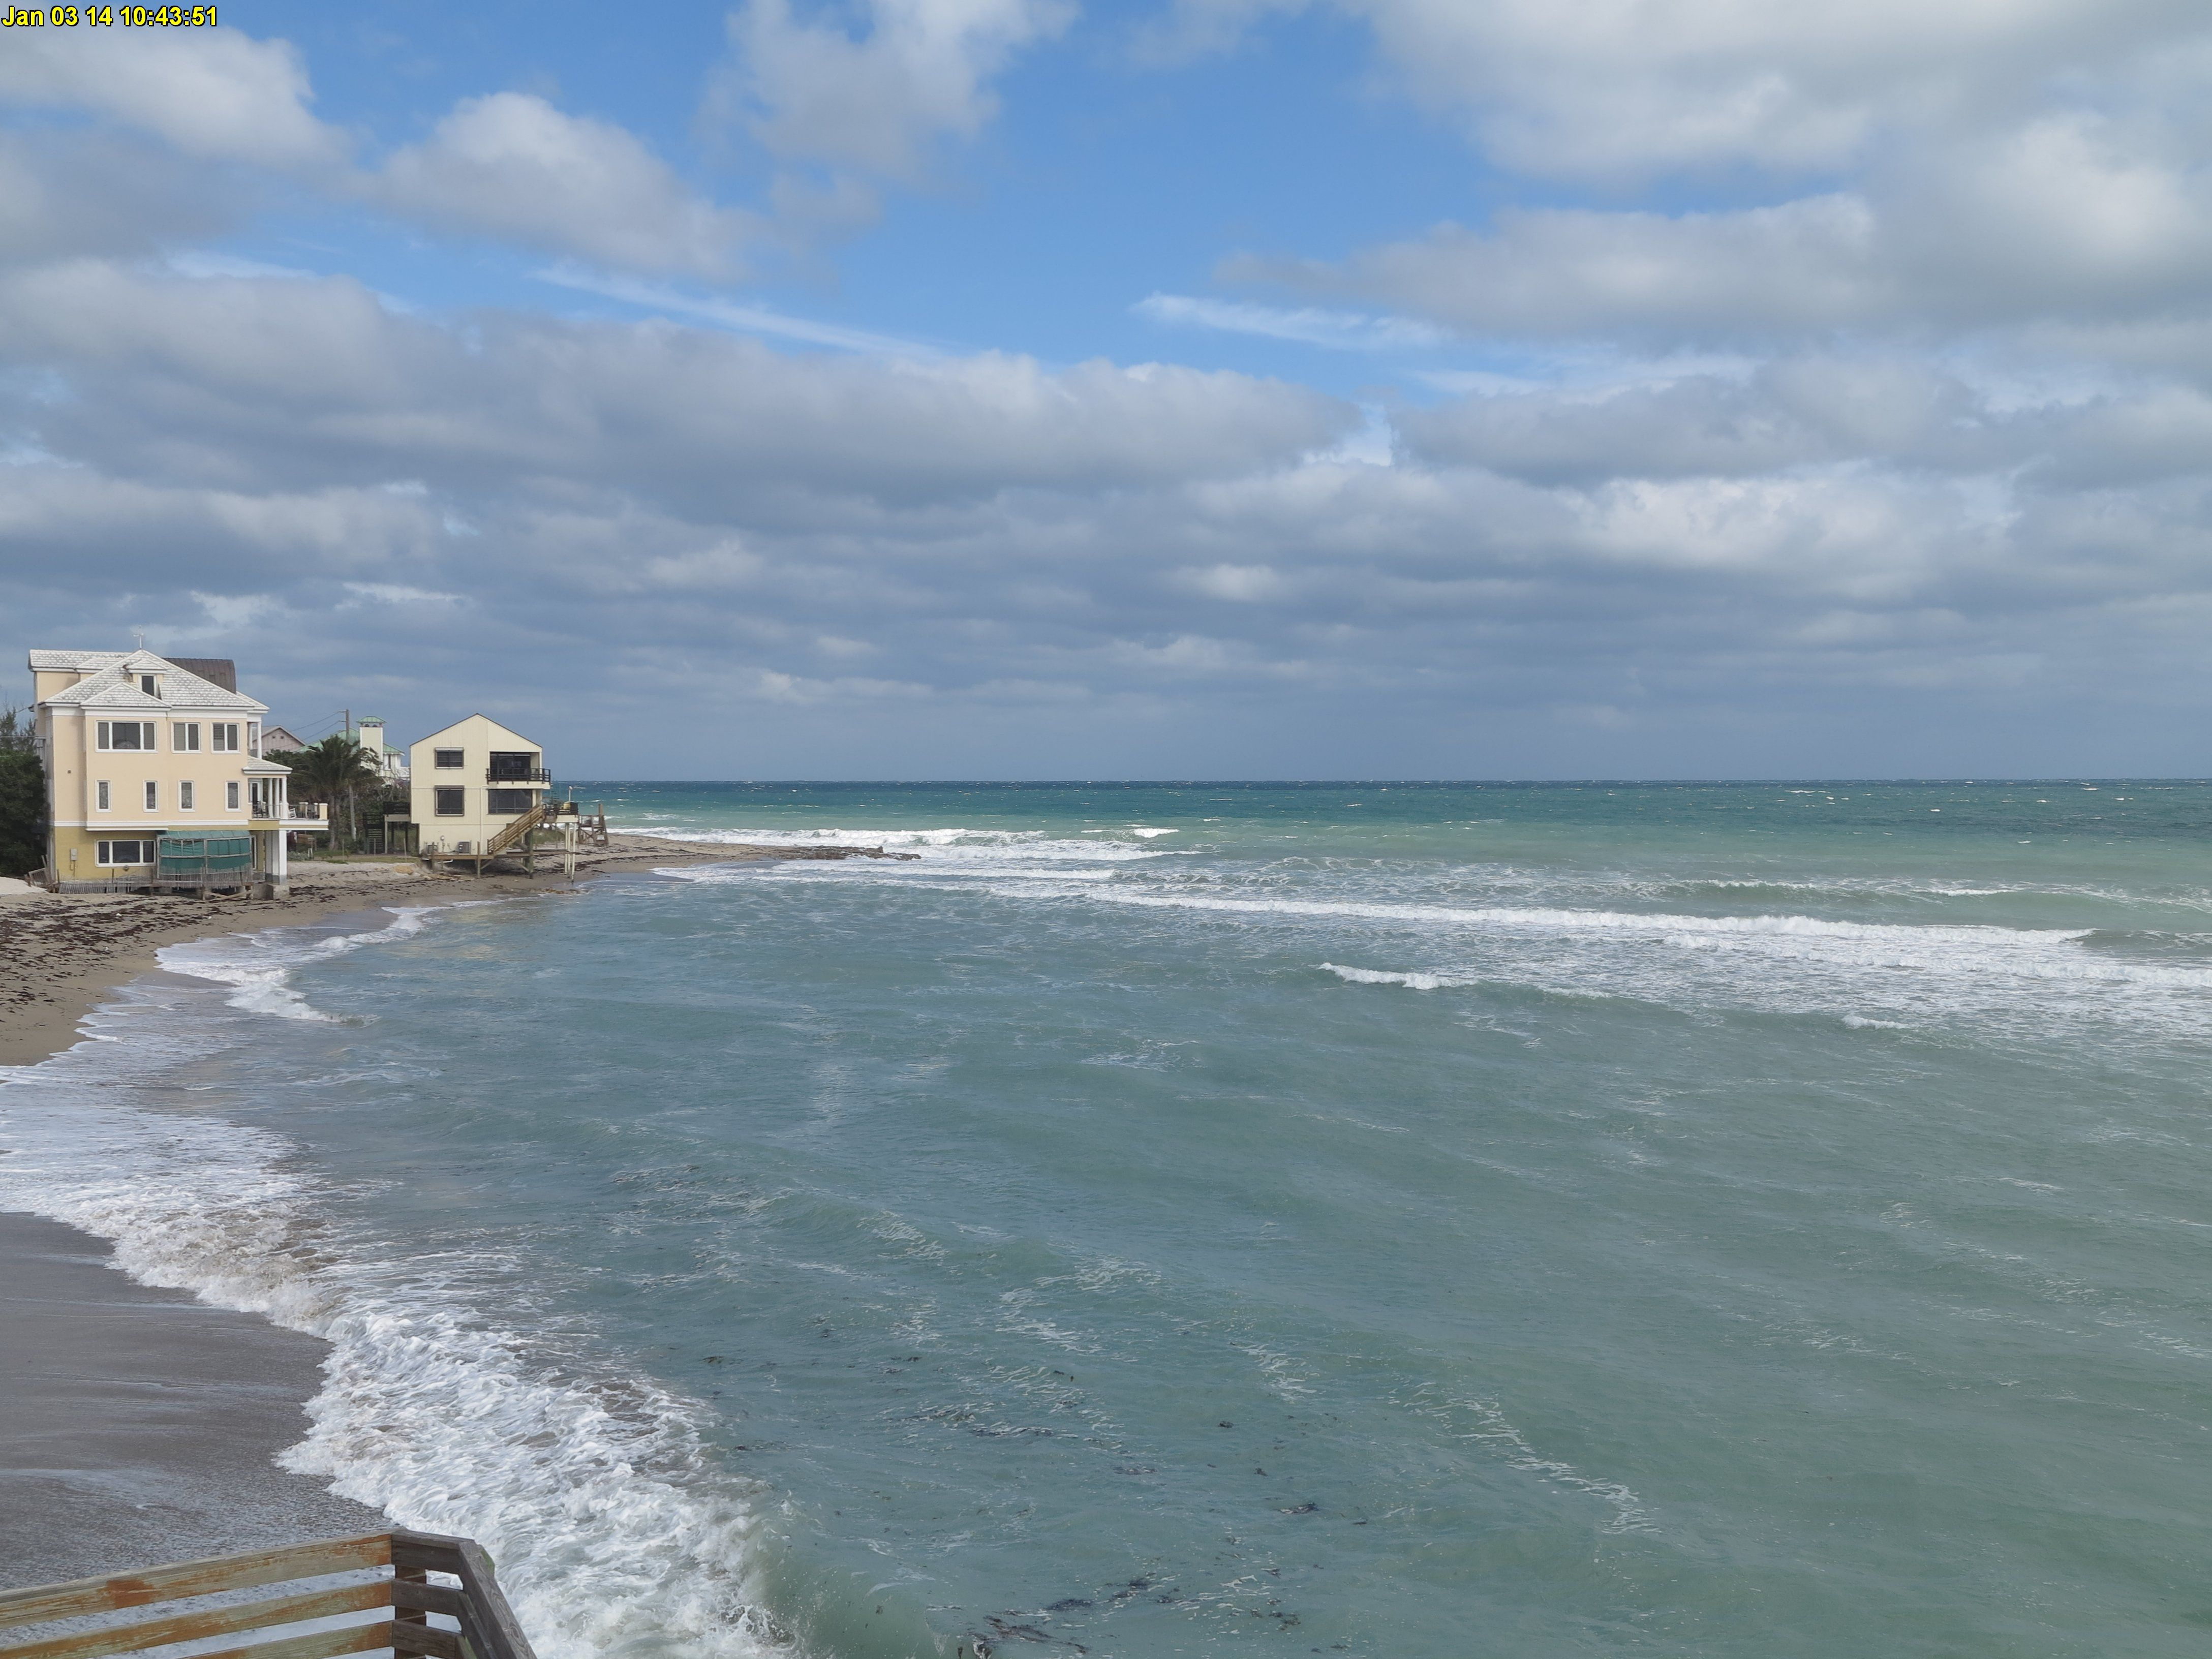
x: 139, y: 1425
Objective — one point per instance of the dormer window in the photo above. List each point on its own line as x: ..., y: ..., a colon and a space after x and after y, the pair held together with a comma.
x: 150, y: 684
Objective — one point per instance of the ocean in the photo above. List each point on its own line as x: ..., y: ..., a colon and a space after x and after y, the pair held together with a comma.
x: 1401, y: 1220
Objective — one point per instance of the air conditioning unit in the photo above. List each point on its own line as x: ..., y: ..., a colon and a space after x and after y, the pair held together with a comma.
x: 460, y: 847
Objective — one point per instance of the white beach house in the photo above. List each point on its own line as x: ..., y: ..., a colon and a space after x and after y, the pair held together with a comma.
x: 472, y: 780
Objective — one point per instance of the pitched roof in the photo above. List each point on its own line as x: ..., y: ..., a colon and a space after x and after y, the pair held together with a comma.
x: 115, y: 683
x: 215, y: 671
x: 465, y: 719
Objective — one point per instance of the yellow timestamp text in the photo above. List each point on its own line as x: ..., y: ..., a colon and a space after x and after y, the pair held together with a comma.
x: 107, y: 17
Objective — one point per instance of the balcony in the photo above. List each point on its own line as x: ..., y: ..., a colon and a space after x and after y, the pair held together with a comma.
x: 296, y: 815
x: 522, y: 775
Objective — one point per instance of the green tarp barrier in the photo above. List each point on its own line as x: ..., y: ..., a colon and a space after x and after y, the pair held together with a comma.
x: 192, y: 856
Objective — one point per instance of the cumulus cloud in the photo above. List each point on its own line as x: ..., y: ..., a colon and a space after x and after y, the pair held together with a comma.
x: 1014, y: 548
x: 1777, y: 476
x: 64, y: 193
x: 216, y: 94
x: 1622, y: 90
x: 877, y: 101
x: 213, y: 370
x: 1978, y: 167
x: 510, y: 166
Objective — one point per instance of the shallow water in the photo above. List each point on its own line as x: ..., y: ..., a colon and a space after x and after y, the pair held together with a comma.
x: 1397, y: 1220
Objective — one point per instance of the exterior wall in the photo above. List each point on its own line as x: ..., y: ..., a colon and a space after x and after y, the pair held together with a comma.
x: 76, y: 766
x: 476, y: 738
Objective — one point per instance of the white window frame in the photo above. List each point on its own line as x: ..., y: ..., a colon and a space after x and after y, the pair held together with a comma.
x: 253, y: 738
x: 153, y: 795
x: 100, y: 797
x: 223, y: 738
x: 230, y: 796
x: 107, y: 731
x: 185, y: 737
x: 104, y: 851
x: 185, y: 794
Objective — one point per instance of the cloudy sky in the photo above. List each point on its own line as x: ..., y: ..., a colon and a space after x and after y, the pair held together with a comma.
x: 1164, y: 388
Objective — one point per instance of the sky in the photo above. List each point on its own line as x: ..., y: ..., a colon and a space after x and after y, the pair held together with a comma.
x: 1169, y: 389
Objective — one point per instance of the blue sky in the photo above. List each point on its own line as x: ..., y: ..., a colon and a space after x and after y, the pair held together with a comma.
x: 1206, y: 387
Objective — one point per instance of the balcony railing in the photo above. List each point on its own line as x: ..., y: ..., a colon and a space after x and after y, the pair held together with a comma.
x: 518, y: 774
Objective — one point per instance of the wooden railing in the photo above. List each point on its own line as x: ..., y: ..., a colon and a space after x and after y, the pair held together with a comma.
x: 270, y: 1628
x: 536, y: 817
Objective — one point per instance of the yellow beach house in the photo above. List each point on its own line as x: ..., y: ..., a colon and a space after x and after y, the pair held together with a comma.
x: 137, y: 749
x: 472, y: 783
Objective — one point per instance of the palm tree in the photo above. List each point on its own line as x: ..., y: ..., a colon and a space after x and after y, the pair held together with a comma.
x: 336, y: 770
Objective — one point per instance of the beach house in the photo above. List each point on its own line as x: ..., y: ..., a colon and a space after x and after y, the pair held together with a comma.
x: 389, y: 759
x: 155, y: 772
x: 470, y: 785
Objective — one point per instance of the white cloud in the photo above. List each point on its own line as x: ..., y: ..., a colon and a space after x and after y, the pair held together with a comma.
x: 878, y: 102
x: 216, y: 94
x: 62, y: 193
x: 1617, y: 90
x: 512, y: 167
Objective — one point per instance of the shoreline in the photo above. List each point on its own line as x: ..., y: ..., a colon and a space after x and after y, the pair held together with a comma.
x: 138, y: 1424
x: 61, y: 955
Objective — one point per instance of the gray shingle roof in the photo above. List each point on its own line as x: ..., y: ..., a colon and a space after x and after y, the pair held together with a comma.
x: 115, y: 684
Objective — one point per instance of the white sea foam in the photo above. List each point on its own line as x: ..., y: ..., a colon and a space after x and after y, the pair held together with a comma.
x: 1785, y: 960
x: 947, y: 845
x: 258, y: 965
x: 1380, y: 976
x: 612, y: 1528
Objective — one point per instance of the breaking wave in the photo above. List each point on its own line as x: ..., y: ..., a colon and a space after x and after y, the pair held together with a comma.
x: 613, y: 1529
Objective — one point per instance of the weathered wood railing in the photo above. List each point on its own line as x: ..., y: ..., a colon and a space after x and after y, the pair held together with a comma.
x: 488, y: 1628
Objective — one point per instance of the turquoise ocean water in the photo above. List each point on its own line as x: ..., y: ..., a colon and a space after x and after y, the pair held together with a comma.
x: 1410, y: 1221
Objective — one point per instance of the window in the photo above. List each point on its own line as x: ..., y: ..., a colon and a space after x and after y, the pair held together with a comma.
x: 253, y: 738
x: 126, y: 852
x: 126, y: 734
x: 230, y: 796
x: 449, y: 803
x: 225, y: 734
x: 183, y: 797
x: 507, y: 766
x: 101, y: 789
x: 185, y: 737
x: 153, y: 796
x: 448, y: 759
x: 149, y: 685
x: 508, y: 800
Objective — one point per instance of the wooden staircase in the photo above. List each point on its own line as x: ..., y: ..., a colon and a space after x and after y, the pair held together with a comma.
x: 546, y: 815
x: 537, y: 818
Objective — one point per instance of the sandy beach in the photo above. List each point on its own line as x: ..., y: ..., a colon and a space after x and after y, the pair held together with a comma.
x: 138, y: 1425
